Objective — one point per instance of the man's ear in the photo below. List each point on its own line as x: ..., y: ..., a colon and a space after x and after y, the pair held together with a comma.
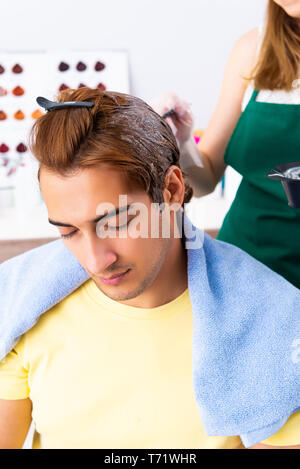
x: 174, y: 186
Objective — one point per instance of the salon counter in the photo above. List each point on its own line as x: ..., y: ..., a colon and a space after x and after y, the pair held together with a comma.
x: 11, y: 248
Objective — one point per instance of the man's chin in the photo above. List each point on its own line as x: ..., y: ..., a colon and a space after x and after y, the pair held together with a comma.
x: 118, y: 293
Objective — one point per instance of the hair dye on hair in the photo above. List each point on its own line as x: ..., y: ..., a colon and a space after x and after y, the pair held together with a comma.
x: 119, y: 130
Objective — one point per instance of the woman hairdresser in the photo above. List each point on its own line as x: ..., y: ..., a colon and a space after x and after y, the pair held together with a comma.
x: 255, y: 127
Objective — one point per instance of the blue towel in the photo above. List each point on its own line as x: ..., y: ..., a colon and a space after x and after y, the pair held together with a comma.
x: 246, y: 369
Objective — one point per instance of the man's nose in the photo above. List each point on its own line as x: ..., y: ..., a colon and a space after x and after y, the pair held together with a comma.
x: 98, y: 255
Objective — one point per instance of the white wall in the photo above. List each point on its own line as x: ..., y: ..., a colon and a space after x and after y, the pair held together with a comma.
x: 178, y: 45
x: 181, y: 45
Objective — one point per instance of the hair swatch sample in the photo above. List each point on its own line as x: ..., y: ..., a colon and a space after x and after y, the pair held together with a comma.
x: 3, y: 116
x: 63, y: 86
x: 2, y: 69
x: 12, y: 170
x: 18, y: 91
x: 3, y: 91
x: 21, y: 148
x: 36, y: 114
x: 81, y: 67
x: 4, y: 148
x: 101, y: 86
x: 99, y: 66
x: 19, y: 115
x: 63, y: 67
x: 17, y: 68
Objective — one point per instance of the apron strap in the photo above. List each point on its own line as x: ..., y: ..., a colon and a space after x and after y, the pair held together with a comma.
x: 254, y: 95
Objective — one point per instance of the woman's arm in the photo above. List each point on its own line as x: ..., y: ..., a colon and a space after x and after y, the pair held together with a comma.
x: 216, y: 137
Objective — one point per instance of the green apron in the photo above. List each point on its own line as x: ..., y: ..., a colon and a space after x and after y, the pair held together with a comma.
x: 259, y: 220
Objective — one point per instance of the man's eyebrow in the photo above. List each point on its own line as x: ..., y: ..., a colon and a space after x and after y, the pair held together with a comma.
x: 106, y: 215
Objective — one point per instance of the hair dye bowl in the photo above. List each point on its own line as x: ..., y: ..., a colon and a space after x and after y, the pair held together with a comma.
x: 292, y: 173
x: 289, y: 175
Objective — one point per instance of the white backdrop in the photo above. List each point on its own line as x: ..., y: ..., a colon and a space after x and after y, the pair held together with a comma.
x: 173, y: 44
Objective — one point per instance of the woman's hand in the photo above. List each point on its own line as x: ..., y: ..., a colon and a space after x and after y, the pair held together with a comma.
x: 181, y: 122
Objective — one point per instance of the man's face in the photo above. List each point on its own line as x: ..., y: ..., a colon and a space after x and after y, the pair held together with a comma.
x: 75, y: 200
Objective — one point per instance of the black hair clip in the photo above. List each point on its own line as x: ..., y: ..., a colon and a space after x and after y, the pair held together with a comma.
x: 53, y: 105
x: 169, y: 113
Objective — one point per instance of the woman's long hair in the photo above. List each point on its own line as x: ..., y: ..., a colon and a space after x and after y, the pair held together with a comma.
x: 278, y: 62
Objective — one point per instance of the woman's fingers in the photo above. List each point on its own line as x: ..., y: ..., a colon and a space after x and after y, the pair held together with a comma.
x: 164, y: 103
x: 171, y: 123
x: 181, y: 122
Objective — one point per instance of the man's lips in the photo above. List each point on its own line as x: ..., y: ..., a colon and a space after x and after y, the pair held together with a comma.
x: 114, y: 278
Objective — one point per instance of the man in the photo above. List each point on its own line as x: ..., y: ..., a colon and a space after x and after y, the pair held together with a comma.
x: 110, y: 364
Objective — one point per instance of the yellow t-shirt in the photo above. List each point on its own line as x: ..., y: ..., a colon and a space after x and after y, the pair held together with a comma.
x: 101, y: 374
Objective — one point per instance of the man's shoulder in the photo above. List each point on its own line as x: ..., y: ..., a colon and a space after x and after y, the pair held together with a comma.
x: 31, y: 284
x: 27, y: 267
x: 231, y: 272
x: 224, y: 256
x: 59, y: 318
x: 49, y: 263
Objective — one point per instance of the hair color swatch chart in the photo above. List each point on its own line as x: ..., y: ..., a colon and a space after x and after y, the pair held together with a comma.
x: 25, y: 76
